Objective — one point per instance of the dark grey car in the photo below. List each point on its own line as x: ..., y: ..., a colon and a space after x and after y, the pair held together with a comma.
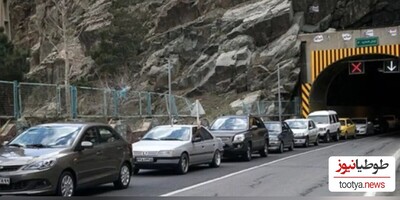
x: 60, y: 158
x: 280, y: 135
x: 242, y: 135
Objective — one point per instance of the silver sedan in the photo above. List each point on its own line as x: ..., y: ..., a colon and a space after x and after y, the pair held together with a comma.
x: 176, y: 147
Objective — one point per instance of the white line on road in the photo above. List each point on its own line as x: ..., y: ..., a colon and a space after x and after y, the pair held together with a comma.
x: 246, y: 170
x: 397, y: 157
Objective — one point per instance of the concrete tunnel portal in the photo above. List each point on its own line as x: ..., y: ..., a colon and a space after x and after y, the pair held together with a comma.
x: 370, y: 94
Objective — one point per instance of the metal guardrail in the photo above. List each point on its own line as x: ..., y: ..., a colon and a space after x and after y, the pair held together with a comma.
x: 48, y: 100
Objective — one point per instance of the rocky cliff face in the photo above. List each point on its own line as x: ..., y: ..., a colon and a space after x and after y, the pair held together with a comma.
x: 214, y: 46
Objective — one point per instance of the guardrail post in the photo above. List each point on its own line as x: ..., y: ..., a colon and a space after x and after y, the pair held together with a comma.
x: 58, y: 100
x: 105, y: 103
x: 148, y: 106
x: 74, y: 102
x: 17, y: 111
x: 140, y: 104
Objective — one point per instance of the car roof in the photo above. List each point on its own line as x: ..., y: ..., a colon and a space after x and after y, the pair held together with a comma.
x: 272, y: 122
x: 299, y: 119
x: 74, y: 124
x: 180, y: 125
x: 322, y: 112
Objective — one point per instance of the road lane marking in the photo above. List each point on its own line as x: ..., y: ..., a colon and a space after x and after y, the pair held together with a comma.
x: 396, y: 155
x: 249, y: 169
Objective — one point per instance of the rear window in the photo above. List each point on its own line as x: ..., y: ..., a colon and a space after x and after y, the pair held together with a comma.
x: 230, y: 123
x: 359, y: 121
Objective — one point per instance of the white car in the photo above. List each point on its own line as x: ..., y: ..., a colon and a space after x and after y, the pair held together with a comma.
x: 363, y: 126
x: 328, y: 124
x: 305, y: 131
x: 177, y: 147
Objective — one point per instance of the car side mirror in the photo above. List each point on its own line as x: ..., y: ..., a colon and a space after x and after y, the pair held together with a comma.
x: 5, y: 143
x: 86, y: 145
x: 254, y: 127
x: 196, y: 139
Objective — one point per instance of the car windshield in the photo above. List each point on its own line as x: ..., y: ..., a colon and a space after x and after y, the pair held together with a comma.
x: 320, y: 119
x: 168, y: 133
x: 230, y: 123
x: 273, y: 128
x: 359, y: 121
x: 297, y: 124
x: 47, y: 137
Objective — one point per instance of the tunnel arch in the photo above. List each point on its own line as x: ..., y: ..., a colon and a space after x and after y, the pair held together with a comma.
x: 332, y: 81
x: 327, y: 66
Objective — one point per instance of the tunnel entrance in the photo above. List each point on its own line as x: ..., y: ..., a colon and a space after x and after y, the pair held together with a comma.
x: 370, y: 94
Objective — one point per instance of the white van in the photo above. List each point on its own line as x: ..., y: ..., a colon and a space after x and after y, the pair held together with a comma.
x: 328, y: 124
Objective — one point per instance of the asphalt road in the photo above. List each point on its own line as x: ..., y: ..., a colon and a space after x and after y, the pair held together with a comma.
x: 302, y: 172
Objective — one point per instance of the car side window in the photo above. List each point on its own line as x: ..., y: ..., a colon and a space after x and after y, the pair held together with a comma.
x: 107, y: 136
x: 259, y: 123
x: 91, y: 135
x: 313, y: 124
x: 205, y: 135
x: 285, y: 127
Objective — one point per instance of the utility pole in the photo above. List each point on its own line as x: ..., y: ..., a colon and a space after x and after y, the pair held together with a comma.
x: 65, y: 41
x: 279, y: 95
x: 170, y: 93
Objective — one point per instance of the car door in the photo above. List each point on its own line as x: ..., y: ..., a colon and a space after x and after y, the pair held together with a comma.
x: 198, y: 147
x: 313, y: 131
x: 284, y: 135
x: 289, y: 135
x: 113, y: 147
x: 89, y: 163
x: 209, y: 145
x: 261, y: 133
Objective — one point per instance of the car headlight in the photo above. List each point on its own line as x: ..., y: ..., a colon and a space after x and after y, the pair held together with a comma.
x: 238, y: 138
x: 41, y: 165
x: 165, y: 153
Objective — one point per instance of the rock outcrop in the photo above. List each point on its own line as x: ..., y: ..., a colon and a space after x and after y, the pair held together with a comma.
x: 218, y: 47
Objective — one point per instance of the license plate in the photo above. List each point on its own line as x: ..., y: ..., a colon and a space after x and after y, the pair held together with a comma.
x: 144, y: 159
x: 4, y: 181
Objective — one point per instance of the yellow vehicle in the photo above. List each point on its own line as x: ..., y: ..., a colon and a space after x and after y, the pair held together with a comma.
x: 347, y: 128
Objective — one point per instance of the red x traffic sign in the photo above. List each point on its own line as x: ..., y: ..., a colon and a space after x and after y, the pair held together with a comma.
x: 356, y: 68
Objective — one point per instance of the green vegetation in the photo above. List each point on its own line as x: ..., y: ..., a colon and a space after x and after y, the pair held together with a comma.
x: 13, y: 61
x: 120, y: 42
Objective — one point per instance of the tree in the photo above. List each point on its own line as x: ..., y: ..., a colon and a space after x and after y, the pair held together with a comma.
x: 61, y: 22
x: 13, y: 60
x: 120, y: 43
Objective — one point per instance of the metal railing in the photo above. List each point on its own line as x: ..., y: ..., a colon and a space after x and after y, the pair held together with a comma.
x: 48, y: 100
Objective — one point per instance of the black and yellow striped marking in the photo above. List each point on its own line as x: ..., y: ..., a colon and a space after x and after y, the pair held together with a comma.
x: 305, y: 99
x: 321, y: 59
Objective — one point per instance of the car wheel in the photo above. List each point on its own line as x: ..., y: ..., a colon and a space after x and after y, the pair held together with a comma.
x: 136, y: 171
x: 247, y: 154
x: 327, y: 137
x: 316, y: 143
x: 281, y: 148
x: 183, y: 166
x: 335, y: 137
x: 307, y: 142
x: 216, y: 162
x: 291, y: 148
x: 124, y: 177
x: 264, y: 151
x: 66, y: 185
